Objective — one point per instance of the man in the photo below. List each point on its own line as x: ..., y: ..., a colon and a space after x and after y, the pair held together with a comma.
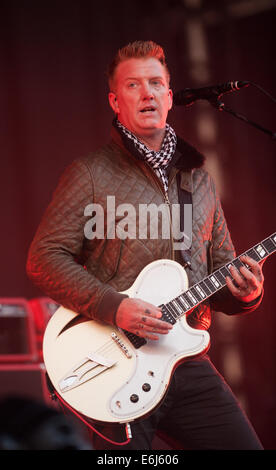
x: 146, y: 163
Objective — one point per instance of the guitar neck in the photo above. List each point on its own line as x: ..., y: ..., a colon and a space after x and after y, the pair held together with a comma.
x: 204, y: 289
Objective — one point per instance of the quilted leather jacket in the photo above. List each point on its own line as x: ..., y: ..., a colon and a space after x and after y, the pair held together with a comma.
x: 87, y: 275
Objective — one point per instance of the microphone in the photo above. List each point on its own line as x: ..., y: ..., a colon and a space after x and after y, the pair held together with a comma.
x: 188, y: 96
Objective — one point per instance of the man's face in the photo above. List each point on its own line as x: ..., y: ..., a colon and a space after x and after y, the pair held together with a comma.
x: 142, y: 97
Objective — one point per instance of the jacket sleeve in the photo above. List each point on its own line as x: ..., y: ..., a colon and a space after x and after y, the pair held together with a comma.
x: 54, y: 258
x: 222, y: 252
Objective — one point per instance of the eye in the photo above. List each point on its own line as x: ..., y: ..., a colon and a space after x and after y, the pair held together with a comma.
x: 156, y: 82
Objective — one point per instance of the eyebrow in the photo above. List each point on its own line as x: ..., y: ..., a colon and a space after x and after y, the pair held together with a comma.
x: 150, y: 78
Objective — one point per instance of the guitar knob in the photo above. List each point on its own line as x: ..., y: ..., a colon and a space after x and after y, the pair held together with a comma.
x: 146, y: 387
x: 134, y: 398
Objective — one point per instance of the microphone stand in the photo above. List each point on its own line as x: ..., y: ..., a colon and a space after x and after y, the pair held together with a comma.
x: 218, y: 104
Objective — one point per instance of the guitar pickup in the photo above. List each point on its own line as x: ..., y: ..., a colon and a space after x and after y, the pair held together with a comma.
x: 93, y: 365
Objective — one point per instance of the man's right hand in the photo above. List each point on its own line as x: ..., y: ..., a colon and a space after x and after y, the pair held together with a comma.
x: 141, y: 318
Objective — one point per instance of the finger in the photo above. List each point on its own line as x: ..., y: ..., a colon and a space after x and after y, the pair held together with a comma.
x: 154, y: 312
x: 255, y: 267
x: 150, y: 318
x: 252, y: 282
x: 145, y: 334
x: 161, y: 330
x: 150, y: 331
x: 151, y: 336
x: 244, y: 292
x: 145, y: 330
x: 233, y: 289
x: 247, y: 280
x: 150, y: 322
x: 240, y: 281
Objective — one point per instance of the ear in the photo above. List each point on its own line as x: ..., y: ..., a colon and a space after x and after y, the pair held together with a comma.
x: 170, y: 93
x: 113, y: 102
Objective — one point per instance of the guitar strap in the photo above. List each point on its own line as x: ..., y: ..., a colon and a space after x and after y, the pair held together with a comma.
x: 184, y: 197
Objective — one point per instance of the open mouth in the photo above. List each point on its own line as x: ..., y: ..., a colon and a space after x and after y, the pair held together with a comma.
x: 148, y: 109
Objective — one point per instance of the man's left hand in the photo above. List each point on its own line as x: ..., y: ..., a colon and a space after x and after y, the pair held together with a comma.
x: 248, y: 284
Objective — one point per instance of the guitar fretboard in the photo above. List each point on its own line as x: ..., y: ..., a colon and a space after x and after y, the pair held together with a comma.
x: 204, y: 289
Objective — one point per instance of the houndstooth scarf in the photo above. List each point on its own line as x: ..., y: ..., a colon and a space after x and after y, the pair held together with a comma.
x: 160, y: 160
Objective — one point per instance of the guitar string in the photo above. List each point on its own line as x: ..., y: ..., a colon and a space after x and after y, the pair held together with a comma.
x: 110, y: 346
x: 173, y: 310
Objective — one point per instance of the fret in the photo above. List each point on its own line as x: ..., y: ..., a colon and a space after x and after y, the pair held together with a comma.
x: 253, y: 254
x: 196, y: 294
x: 232, y: 264
x: 167, y: 316
x: 229, y: 265
x: 184, y: 302
x: 200, y: 291
x: 137, y: 341
x: 261, y: 251
x: 210, y: 286
x: 190, y: 303
x: 219, y: 277
x: 269, y: 245
x: 171, y: 310
x: 176, y: 305
x: 191, y: 297
x: 214, y: 280
x: 224, y: 271
x: 237, y: 263
x: 205, y: 288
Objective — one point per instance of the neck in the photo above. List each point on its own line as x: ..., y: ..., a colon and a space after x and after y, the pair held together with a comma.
x: 153, y: 141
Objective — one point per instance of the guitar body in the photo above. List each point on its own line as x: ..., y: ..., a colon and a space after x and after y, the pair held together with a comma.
x: 98, y: 371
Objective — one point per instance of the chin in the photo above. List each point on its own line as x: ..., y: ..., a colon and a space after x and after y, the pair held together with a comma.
x: 152, y: 125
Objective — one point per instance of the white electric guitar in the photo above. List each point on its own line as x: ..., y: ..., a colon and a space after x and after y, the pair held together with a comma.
x: 110, y: 375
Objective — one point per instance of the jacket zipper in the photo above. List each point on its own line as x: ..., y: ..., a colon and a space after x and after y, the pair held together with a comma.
x: 167, y: 202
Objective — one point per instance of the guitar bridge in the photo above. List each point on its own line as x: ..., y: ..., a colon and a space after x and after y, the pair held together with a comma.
x: 121, y: 345
x: 93, y: 365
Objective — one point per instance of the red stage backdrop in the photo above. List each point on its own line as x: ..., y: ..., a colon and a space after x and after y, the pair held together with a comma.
x: 54, y: 108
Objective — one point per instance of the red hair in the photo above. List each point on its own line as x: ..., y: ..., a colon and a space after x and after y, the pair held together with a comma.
x: 137, y: 50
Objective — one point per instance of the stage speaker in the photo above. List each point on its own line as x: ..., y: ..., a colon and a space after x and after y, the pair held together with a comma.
x: 42, y: 309
x: 17, y: 331
x: 25, y: 381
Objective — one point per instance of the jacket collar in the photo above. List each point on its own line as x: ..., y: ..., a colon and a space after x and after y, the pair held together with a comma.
x: 185, y: 159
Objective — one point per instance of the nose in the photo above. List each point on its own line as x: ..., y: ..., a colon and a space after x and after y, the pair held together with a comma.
x: 147, y: 92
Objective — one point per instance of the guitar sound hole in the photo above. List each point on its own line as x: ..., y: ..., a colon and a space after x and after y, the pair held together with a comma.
x: 75, y: 321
